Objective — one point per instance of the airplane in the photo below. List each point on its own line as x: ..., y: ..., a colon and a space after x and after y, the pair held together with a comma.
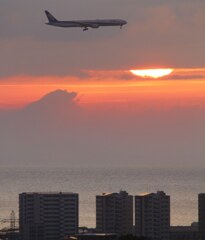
x: 85, y: 24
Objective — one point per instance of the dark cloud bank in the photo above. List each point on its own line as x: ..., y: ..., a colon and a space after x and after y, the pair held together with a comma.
x: 55, y: 131
x: 160, y: 33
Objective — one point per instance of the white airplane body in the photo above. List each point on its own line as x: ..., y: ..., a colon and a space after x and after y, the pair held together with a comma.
x: 85, y: 24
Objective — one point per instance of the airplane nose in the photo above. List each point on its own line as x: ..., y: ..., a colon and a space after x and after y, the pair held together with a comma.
x: 125, y: 22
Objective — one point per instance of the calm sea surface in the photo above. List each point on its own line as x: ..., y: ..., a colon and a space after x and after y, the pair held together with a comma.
x: 182, y: 185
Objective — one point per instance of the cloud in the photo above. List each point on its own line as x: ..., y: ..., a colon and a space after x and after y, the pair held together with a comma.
x: 55, y: 108
x: 34, y: 134
x: 54, y: 131
x: 126, y: 75
x: 59, y: 100
x: 184, y: 77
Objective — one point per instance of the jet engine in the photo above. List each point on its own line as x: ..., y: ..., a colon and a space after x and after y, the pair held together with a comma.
x: 95, y: 26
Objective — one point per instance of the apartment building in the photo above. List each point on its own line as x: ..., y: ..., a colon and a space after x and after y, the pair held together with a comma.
x: 48, y: 216
x: 114, y: 213
x: 152, y: 215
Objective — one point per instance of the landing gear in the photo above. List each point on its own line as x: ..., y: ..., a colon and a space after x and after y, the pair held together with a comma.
x: 85, y: 29
x: 121, y: 26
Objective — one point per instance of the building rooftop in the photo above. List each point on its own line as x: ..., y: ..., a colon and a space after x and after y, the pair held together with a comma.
x: 152, y: 193
x: 48, y: 193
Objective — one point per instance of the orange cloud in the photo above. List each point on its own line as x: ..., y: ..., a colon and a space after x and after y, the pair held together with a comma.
x: 109, y: 87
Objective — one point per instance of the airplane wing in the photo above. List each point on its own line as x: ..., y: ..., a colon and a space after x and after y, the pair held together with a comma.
x: 86, y: 25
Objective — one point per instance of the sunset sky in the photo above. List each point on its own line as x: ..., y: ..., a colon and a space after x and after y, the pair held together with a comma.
x: 43, y: 67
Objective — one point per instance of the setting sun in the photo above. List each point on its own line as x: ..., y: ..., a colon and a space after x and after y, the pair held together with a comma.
x: 152, y: 73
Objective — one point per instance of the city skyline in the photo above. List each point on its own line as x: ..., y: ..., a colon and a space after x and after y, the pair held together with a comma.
x: 109, y: 203
x: 55, y: 215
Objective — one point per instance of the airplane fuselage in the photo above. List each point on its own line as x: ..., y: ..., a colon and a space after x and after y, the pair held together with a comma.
x: 89, y: 23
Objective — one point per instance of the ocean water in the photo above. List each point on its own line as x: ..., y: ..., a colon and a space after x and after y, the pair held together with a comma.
x: 183, y: 185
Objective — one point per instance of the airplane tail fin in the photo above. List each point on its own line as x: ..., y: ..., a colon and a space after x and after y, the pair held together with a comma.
x: 50, y: 17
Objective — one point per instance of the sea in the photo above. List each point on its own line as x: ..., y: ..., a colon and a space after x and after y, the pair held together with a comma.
x: 183, y: 185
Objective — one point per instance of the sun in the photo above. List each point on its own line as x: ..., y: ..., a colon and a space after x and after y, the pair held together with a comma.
x: 152, y: 73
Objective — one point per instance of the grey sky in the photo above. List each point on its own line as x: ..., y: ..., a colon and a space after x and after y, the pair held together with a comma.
x: 160, y: 33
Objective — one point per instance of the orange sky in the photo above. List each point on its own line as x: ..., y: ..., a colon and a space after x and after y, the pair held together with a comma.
x: 183, y: 86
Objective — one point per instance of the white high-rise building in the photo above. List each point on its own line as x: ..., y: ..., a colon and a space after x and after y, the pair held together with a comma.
x: 48, y: 216
x: 152, y: 215
x: 114, y: 213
